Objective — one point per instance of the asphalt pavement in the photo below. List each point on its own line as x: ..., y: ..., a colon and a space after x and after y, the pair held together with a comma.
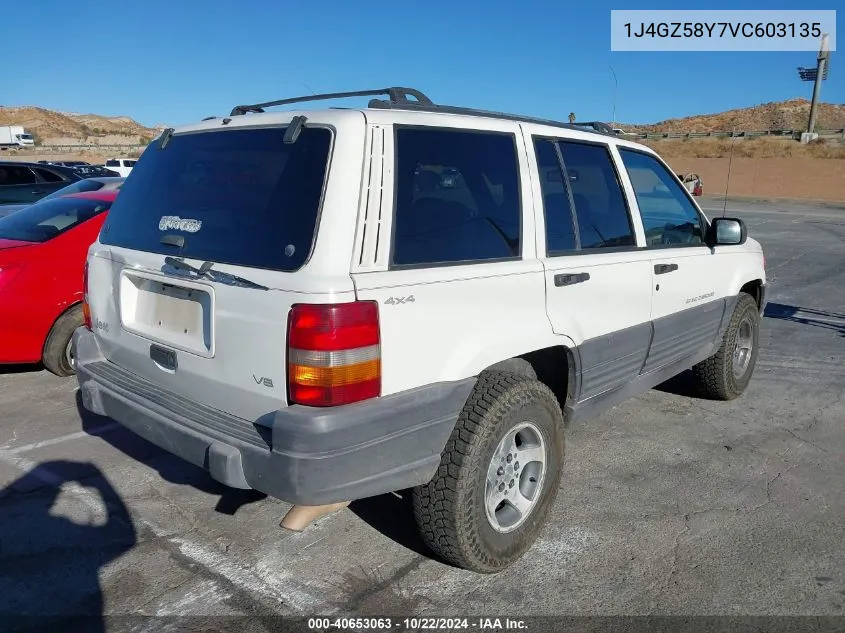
x: 669, y: 504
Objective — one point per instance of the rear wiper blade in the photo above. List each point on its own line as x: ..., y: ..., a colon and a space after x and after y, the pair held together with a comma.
x: 214, y: 275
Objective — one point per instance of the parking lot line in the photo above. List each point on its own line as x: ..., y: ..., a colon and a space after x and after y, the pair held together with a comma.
x: 63, y: 438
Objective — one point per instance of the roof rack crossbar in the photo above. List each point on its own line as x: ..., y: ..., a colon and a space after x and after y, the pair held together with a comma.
x: 397, y: 95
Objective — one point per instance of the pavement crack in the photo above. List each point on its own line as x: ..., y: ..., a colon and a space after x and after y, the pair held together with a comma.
x: 804, y: 441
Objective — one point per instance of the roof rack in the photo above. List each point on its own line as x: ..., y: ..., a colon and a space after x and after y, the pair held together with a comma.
x: 396, y: 96
x: 398, y: 99
x: 597, y: 126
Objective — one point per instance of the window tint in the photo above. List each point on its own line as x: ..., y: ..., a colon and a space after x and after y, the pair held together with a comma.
x: 239, y: 197
x: 112, y: 163
x: 129, y: 163
x: 560, y: 236
x: 16, y: 175
x: 45, y: 220
x: 667, y: 213
x: 603, y: 220
x: 47, y: 175
x: 457, y: 197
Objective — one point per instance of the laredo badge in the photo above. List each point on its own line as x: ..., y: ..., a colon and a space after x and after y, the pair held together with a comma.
x: 174, y: 222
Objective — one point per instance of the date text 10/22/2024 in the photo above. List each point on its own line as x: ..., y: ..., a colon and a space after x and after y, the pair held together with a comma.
x: 416, y: 624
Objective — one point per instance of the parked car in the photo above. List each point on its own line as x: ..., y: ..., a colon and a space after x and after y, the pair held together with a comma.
x: 80, y: 186
x: 335, y: 331
x: 42, y: 260
x: 123, y: 166
x: 25, y: 183
x: 95, y: 171
x: 64, y: 163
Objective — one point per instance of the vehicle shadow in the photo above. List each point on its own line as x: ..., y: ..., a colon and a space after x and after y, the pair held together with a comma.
x: 393, y: 517
x: 684, y: 384
x: 21, y: 369
x: 53, y: 546
x: 169, y: 467
x: 807, y: 316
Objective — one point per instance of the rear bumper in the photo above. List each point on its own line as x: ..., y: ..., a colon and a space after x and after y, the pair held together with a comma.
x: 306, y: 455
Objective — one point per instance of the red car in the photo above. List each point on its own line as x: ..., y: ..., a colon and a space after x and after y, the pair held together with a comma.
x: 43, y: 249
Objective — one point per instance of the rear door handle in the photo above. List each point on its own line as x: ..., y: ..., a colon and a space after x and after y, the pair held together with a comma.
x: 662, y: 269
x: 38, y: 191
x: 568, y: 279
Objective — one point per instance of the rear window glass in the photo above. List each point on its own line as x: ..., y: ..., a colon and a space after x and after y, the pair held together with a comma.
x: 80, y: 186
x: 238, y: 197
x: 112, y: 163
x: 45, y: 220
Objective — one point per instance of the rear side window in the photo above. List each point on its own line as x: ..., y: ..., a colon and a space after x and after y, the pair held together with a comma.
x: 112, y: 163
x: 457, y: 197
x: 47, y: 175
x: 603, y: 218
x: 240, y: 197
x: 45, y: 220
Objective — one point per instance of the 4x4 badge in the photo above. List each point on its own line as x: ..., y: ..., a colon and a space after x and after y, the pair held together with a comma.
x: 397, y: 300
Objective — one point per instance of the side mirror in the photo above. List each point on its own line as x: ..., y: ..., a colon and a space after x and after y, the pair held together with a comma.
x: 727, y: 232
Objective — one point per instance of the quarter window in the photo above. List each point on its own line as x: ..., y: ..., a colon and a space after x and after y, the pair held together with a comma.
x: 560, y: 233
x: 457, y: 197
x: 669, y: 217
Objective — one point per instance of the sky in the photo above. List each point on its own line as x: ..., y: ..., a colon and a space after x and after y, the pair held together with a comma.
x: 174, y: 62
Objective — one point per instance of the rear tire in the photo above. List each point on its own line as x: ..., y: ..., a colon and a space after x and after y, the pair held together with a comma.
x: 726, y: 374
x: 483, y: 509
x: 57, y: 357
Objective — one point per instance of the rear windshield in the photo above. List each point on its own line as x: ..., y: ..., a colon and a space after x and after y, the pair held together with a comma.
x: 238, y: 197
x: 45, y: 220
x: 80, y: 186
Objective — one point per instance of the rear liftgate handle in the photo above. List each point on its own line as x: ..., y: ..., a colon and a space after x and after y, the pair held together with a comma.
x: 569, y: 279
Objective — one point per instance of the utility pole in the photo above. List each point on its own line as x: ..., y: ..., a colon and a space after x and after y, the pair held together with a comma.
x: 824, y: 55
x: 615, y: 90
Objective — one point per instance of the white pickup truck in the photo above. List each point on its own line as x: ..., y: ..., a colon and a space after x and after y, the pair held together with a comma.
x: 297, y: 302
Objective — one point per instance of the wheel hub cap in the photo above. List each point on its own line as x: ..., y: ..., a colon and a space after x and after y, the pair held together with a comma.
x: 744, y: 347
x: 69, y: 355
x: 515, y: 477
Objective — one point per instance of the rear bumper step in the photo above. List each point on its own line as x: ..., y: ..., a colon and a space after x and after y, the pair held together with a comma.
x: 303, y: 455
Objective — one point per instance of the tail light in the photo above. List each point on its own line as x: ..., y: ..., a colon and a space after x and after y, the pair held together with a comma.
x: 334, y: 353
x: 86, y: 310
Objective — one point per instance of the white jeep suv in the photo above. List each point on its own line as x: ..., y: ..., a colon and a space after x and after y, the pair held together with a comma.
x: 296, y: 302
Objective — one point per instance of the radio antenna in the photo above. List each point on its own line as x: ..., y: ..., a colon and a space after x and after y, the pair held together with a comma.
x: 730, y: 162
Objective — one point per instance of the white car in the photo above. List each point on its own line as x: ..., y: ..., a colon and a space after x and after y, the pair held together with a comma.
x: 293, y: 302
x: 122, y: 166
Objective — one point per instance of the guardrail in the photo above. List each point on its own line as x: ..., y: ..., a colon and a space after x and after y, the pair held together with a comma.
x: 794, y: 134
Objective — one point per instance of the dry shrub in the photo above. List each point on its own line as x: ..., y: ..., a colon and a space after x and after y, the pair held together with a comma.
x: 760, y: 147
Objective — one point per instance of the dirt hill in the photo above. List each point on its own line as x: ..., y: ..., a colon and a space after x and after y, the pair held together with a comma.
x: 52, y: 127
x: 779, y: 115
